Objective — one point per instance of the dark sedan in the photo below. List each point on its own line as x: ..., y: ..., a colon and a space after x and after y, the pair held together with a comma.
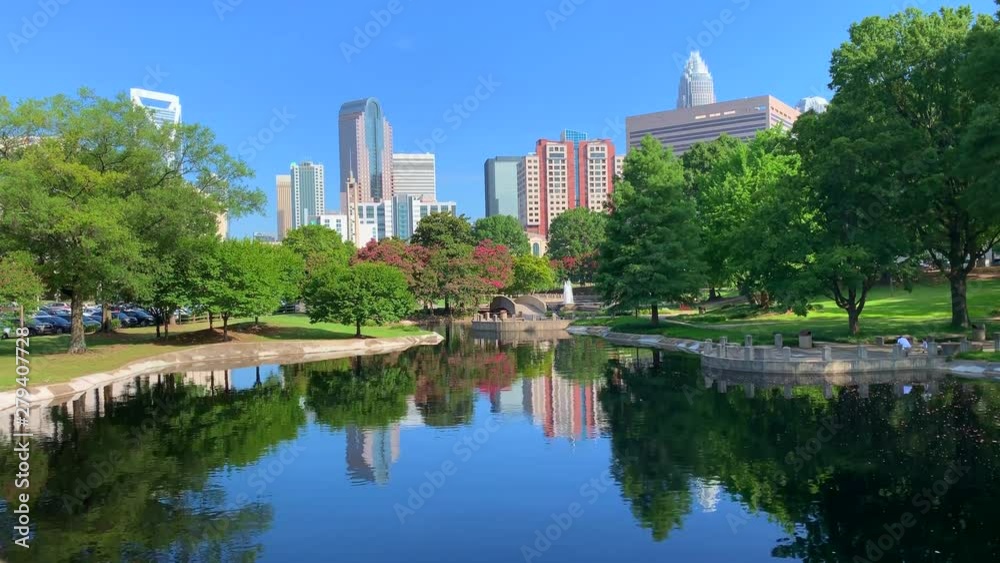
x: 59, y: 324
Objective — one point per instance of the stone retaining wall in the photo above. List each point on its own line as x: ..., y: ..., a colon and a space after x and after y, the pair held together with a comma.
x: 779, y: 364
x: 222, y: 356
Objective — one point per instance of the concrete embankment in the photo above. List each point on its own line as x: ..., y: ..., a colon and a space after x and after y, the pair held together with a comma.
x: 797, y: 364
x: 230, y: 355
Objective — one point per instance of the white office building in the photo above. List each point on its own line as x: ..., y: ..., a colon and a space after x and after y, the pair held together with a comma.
x: 166, y: 108
x: 413, y: 174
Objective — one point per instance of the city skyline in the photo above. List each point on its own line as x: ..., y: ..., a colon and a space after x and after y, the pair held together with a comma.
x: 421, y: 67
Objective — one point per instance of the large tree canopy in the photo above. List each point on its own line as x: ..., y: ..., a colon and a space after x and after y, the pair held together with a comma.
x: 917, y: 81
x: 90, y: 185
x: 442, y: 229
x: 249, y: 278
x: 363, y: 293
x: 319, y: 246
x: 574, y: 240
x: 652, y: 253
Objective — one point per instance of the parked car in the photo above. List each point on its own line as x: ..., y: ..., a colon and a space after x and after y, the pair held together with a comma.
x: 59, y: 324
x: 90, y: 324
x: 124, y: 319
x: 58, y: 306
x: 143, y: 318
x: 37, y: 327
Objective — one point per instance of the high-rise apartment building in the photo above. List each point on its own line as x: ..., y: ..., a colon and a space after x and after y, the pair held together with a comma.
x: 500, y: 175
x: 681, y: 128
x: 563, y: 175
x: 283, y: 184
x: 413, y: 174
x: 365, y: 150
x: 308, y: 193
x: 166, y: 108
x: 697, y: 87
x: 529, y: 194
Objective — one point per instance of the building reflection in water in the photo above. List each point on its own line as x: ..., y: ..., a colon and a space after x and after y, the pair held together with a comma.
x: 370, y: 453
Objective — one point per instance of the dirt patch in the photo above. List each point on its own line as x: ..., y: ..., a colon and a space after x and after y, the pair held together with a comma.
x: 206, y: 336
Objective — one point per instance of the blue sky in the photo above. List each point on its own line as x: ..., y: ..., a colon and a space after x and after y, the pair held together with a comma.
x: 551, y: 65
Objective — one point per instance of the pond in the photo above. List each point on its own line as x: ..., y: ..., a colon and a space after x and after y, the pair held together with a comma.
x: 561, y: 449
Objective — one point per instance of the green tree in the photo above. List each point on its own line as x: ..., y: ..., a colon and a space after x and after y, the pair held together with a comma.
x: 729, y: 197
x: 505, y: 230
x: 443, y: 229
x: 319, y: 246
x: 652, y: 252
x: 366, y: 292
x: 179, y: 276
x: 915, y: 76
x: 18, y: 281
x: 89, y: 184
x: 858, y: 217
x: 532, y: 274
x: 701, y: 172
x: 248, y: 279
x: 575, y: 238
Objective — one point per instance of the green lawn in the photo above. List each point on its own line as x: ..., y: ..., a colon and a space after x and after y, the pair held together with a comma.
x: 50, y: 363
x: 922, y: 312
x: 979, y: 356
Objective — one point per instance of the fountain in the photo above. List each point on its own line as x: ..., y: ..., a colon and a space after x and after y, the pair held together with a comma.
x: 568, y: 293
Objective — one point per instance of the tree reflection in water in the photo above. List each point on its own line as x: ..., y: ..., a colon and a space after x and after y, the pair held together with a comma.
x: 834, y: 472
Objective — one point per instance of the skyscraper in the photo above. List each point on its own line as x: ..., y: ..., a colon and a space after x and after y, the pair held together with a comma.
x: 365, y: 150
x: 500, y: 174
x: 166, y: 108
x: 283, y: 183
x: 414, y: 175
x: 308, y: 193
x: 697, y: 87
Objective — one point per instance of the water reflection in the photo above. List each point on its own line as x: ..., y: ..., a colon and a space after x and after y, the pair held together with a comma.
x: 268, y: 463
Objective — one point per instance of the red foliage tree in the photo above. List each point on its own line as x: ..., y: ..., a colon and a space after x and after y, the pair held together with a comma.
x: 495, y: 264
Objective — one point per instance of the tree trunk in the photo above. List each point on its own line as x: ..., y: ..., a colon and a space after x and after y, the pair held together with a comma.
x: 211, y: 321
x: 713, y: 294
x: 256, y: 321
x: 105, y: 318
x: 77, y: 340
x: 166, y: 324
x: 357, y: 325
x: 447, y: 307
x: 656, y: 314
x: 225, y: 326
x: 854, y: 321
x: 959, y: 302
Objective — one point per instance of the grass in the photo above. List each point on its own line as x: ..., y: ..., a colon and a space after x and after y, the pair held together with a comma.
x: 924, y: 311
x: 982, y: 356
x: 51, y: 364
